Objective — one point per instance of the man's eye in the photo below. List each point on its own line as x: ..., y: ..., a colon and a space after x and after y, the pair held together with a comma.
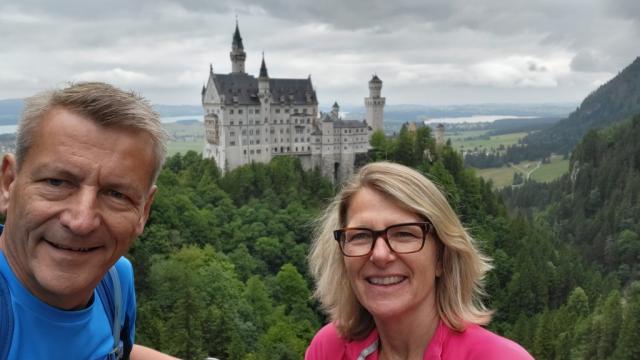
x: 116, y: 194
x: 55, y: 182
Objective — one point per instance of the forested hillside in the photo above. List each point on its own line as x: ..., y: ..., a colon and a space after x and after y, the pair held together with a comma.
x: 221, y: 268
x: 596, y: 210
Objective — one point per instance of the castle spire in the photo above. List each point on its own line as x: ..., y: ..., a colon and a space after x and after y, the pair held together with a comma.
x: 237, y: 55
x: 263, y: 68
x: 237, y: 39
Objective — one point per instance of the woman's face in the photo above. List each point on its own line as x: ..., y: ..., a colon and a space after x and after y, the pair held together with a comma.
x: 387, y: 284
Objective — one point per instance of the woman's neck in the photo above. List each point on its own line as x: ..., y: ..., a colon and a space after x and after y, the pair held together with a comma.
x: 406, y: 337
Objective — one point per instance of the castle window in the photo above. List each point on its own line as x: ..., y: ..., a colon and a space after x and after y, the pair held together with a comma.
x: 257, y: 131
x: 281, y: 130
x: 275, y: 149
x: 251, y: 152
x: 272, y: 131
x: 232, y: 143
x: 230, y: 111
x: 240, y: 122
x: 286, y: 111
x: 296, y: 149
x: 251, y: 132
x: 259, y: 151
x: 280, y: 121
x: 257, y: 122
x: 288, y: 149
x: 250, y: 111
x: 245, y: 151
x: 231, y: 122
x: 239, y: 111
x: 277, y: 111
x: 258, y: 141
x: 304, y: 111
x: 244, y: 132
x: 233, y: 133
x: 257, y: 111
x: 295, y: 111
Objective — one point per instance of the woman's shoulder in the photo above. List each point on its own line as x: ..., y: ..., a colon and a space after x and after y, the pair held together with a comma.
x: 328, y: 344
x: 479, y: 343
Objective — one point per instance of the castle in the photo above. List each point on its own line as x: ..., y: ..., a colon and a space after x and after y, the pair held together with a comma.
x: 250, y: 119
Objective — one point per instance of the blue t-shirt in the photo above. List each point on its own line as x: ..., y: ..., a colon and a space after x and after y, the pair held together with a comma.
x: 44, y: 332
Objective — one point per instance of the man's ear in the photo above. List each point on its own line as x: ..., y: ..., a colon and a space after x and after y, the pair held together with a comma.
x: 146, y: 210
x: 8, y: 176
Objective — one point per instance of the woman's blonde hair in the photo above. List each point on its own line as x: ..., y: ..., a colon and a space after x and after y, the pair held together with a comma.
x: 458, y: 290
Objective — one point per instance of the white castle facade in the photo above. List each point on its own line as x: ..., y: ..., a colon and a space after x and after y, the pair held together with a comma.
x: 249, y: 119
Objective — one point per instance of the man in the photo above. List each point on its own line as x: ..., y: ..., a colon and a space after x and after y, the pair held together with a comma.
x: 75, y: 195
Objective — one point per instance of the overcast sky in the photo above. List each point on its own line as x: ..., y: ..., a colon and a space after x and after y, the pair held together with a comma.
x: 426, y: 52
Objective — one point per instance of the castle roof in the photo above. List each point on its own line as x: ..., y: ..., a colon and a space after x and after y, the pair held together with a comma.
x: 343, y: 124
x: 242, y: 89
x: 375, y: 79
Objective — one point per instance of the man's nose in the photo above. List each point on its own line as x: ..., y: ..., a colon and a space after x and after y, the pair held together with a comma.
x: 81, y: 216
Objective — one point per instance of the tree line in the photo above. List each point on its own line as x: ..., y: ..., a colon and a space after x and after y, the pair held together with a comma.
x: 221, y: 268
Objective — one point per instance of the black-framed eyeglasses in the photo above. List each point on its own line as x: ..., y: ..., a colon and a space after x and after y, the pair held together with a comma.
x: 400, y: 238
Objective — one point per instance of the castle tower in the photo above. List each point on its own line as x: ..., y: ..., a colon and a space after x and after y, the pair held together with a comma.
x: 264, y: 93
x: 440, y: 135
x: 263, y: 79
x: 375, y: 104
x: 237, y: 53
x: 335, y: 111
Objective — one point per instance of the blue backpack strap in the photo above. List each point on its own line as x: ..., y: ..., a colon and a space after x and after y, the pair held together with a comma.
x: 6, y: 318
x: 110, y: 293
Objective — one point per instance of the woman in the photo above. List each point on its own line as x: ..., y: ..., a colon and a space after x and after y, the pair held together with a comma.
x: 399, y: 276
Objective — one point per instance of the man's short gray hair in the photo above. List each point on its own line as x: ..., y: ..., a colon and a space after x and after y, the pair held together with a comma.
x: 102, y: 103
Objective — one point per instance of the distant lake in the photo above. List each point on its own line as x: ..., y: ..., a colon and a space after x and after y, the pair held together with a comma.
x: 475, y: 119
x: 10, y: 129
x: 172, y: 119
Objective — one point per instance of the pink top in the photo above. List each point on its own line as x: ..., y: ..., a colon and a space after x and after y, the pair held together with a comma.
x: 475, y: 343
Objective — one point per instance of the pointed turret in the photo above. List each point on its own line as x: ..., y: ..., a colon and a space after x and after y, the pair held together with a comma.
x: 263, y: 86
x: 237, y: 55
x: 263, y: 69
x: 237, y: 39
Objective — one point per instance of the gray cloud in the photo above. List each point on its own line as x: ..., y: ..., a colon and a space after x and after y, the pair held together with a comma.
x: 426, y: 51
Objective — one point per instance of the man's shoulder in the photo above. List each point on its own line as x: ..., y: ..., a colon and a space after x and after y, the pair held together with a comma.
x: 479, y: 343
x: 123, y: 265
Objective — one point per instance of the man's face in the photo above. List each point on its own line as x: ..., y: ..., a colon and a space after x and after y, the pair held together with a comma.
x: 79, y: 199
